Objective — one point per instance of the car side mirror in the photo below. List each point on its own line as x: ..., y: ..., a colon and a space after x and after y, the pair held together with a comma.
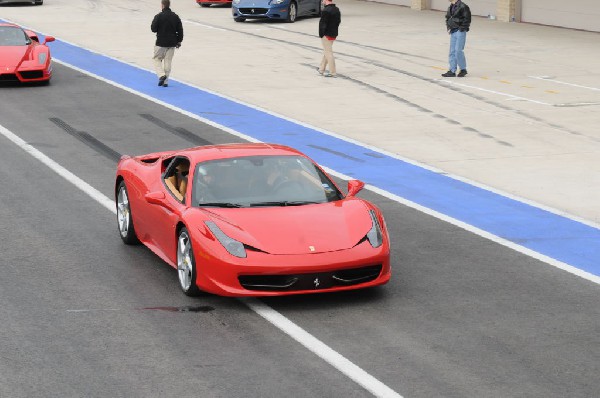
x: 354, y: 187
x: 156, y: 198
x: 48, y: 39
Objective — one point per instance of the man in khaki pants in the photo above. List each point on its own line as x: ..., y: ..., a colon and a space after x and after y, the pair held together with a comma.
x: 328, y: 32
x: 169, y: 35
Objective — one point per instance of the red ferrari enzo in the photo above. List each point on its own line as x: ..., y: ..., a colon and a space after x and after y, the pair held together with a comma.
x: 208, y: 3
x: 251, y: 220
x: 22, y: 57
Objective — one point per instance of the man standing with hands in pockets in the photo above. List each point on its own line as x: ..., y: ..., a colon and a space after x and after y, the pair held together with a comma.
x: 458, y: 21
x: 169, y: 35
x: 328, y: 32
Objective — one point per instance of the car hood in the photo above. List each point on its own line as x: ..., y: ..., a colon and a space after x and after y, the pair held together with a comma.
x: 254, y: 3
x: 12, y: 56
x: 316, y: 228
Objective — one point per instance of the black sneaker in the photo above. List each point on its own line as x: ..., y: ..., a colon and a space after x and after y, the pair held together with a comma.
x: 165, y: 85
x: 449, y: 74
x: 161, y: 80
x: 462, y: 73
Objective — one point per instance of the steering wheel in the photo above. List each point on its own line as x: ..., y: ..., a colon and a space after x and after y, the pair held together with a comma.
x: 286, y: 184
x: 203, y: 193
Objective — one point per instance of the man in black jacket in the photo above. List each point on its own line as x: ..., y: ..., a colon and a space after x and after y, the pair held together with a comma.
x: 169, y: 35
x: 328, y: 32
x: 458, y: 21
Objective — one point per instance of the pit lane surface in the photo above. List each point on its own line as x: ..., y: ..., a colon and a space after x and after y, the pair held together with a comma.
x: 83, y: 315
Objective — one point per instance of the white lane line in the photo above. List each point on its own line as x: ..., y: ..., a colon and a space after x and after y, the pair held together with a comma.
x: 61, y: 171
x: 510, y: 96
x: 546, y: 78
x: 203, y: 25
x: 575, y: 104
x: 494, y: 238
x: 322, y: 350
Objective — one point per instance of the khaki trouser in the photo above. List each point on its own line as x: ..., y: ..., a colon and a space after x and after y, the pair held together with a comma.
x: 163, y: 58
x: 328, y: 56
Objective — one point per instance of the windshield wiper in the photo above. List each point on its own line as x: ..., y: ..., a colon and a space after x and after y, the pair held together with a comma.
x: 284, y: 203
x: 219, y: 204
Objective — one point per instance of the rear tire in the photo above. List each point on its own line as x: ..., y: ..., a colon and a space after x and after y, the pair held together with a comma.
x: 39, y: 2
x: 186, y: 264
x: 124, y: 218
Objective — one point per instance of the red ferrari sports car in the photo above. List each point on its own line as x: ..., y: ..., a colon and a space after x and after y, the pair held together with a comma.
x: 251, y: 220
x: 22, y: 57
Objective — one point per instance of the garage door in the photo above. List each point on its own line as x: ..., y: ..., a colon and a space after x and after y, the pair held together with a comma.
x: 478, y: 7
x: 578, y: 14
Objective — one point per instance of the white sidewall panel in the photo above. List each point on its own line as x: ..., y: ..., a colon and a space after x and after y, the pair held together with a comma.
x: 577, y: 14
x: 407, y: 3
x: 478, y: 7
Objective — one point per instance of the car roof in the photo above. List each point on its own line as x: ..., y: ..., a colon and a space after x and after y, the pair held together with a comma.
x: 225, y: 151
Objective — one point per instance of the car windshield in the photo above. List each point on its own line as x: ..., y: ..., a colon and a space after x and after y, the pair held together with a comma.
x: 13, y: 36
x: 261, y: 181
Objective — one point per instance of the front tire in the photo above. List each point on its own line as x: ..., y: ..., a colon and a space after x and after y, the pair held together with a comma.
x: 293, y: 13
x: 39, y: 2
x: 204, y: 5
x: 239, y: 19
x: 186, y: 264
x: 124, y: 218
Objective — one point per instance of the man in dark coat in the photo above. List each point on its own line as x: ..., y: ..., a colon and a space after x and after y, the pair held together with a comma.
x: 458, y: 22
x: 169, y: 35
x: 328, y: 32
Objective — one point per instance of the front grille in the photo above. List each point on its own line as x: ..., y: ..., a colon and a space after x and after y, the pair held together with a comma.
x: 8, y: 77
x: 313, y: 281
x: 253, y: 11
x: 32, y: 74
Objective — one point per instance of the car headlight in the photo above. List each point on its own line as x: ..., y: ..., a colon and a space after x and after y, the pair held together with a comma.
x: 278, y: 1
x: 42, y: 58
x: 236, y: 2
x: 234, y: 247
x: 375, y: 236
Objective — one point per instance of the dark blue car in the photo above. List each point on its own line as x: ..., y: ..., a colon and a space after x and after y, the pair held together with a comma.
x: 287, y: 10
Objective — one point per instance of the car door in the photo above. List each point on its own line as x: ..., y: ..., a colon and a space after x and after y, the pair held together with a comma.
x: 166, y: 205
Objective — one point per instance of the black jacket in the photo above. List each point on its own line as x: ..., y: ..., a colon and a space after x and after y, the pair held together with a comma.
x: 460, y: 19
x: 167, y: 26
x: 330, y: 20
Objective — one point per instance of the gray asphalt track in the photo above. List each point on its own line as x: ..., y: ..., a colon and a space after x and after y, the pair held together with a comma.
x: 84, y: 315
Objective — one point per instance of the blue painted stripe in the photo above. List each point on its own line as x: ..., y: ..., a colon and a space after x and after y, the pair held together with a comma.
x: 552, y: 235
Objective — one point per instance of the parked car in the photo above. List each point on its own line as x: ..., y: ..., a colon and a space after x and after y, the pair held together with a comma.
x: 287, y: 10
x: 208, y: 3
x: 36, y: 2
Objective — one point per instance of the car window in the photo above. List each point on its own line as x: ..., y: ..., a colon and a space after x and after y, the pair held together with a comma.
x: 13, y: 36
x: 175, y: 177
x: 261, y: 181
